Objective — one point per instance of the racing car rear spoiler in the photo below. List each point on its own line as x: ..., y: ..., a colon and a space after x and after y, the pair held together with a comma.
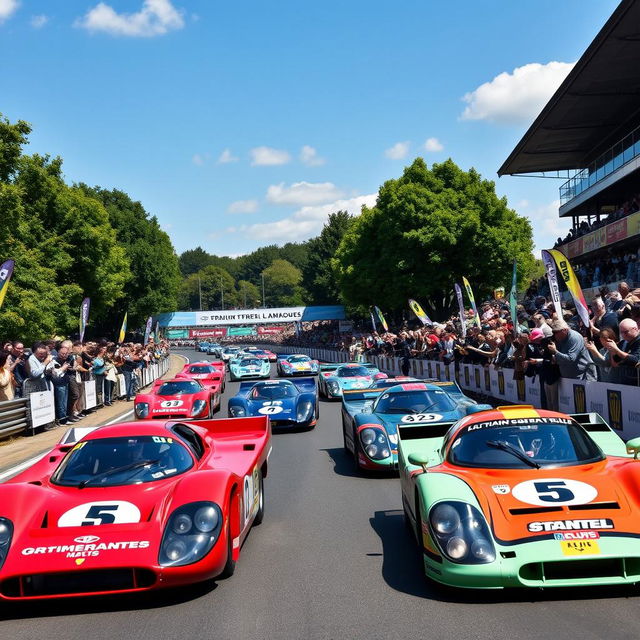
x: 250, y: 427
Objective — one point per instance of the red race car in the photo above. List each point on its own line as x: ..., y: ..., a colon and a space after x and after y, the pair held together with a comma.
x: 133, y: 507
x: 180, y: 398
x: 210, y: 374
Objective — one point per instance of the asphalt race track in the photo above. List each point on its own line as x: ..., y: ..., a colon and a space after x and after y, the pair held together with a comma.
x: 332, y: 559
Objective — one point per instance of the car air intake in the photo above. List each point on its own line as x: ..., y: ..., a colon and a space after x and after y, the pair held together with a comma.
x: 77, y: 582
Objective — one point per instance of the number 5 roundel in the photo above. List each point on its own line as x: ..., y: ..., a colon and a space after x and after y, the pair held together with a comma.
x: 548, y: 492
x: 95, y: 513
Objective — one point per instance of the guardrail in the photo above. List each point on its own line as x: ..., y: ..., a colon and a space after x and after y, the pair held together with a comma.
x: 25, y: 415
x: 619, y: 404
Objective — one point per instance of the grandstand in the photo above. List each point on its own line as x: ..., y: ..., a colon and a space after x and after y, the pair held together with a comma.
x: 590, y: 132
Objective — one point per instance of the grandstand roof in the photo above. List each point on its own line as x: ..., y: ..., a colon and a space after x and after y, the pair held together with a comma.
x: 596, y: 105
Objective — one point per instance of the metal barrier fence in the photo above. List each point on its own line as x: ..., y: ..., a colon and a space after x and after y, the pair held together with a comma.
x: 37, y: 409
x: 619, y: 404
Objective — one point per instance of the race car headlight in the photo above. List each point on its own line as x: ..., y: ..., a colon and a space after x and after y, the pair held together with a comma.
x: 305, y: 409
x: 333, y: 385
x: 198, y: 407
x: 461, y: 532
x: 237, y: 412
x: 286, y: 367
x: 375, y: 443
x: 142, y: 409
x: 6, y: 533
x: 190, y: 534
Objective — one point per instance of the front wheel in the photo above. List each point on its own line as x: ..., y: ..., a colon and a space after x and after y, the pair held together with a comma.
x: 230, y: 564
x: 260, y: 513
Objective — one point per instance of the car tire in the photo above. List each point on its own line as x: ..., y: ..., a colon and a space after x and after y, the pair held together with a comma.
x: 417, y: 532
x: 260, y: 514
x: 230, y: 564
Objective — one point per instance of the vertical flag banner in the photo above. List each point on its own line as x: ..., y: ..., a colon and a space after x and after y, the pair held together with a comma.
x: 373, y: 320
x: 381, y: 319
x: 461, y: 307
x: 513, y: 299
x: 570, y: 279
x: 6, y: 270
x: 552, y: 277
x: 147, y: 330
x: 419, y: 311
x: 467, y: 286
x: 156, y: 333
x: 123, y: 329
x: 84, y: 316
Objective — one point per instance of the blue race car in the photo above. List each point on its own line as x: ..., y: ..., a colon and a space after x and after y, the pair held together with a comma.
x: 288, y: 403
x: 336, y: 378
x: 371, y: 417
x: 246, y: 367
x: 296, y: 364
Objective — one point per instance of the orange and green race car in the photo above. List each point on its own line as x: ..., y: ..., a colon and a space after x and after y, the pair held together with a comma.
x: 522, y: 497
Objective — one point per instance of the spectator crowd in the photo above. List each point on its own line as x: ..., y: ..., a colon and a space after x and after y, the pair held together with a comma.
x: 64, y: 365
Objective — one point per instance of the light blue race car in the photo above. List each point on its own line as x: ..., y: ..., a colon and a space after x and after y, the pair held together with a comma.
x: 371, y: 418
x: 248, y: 367
x: 336, y: 378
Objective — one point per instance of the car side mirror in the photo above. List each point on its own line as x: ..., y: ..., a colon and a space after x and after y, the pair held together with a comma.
x: 633, y: 446
x: 418, y: 459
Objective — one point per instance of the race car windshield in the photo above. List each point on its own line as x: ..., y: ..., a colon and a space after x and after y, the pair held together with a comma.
x: 414, y: 402
x: 273, y: 391
x: 107, y: 462
x: 299, y: 359
x: 352, y: 372
x: 178, y: 388
x: 250, y: 362
x: 201, y: 369
x: 523, y: 445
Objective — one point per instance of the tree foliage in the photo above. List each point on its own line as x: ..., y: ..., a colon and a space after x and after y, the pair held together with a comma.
x: 429, y: 228
x: 282, y: 284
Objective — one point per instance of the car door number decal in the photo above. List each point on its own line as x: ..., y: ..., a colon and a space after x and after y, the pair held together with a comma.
x: 554, y: 491
x: 97, y: 513
x: 421, y: 417
x: 251, y: 495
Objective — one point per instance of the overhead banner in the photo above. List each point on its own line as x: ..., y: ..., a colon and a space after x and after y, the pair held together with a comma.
x: 241, y: 331
x: 476, y: 317
x: 552, y: 277
x: 381, y: 319
x: 123, y: 329
x: 220, y: 332
x: 419, y: 311
x: 570, y: 279
x: 84, y: 316
x: 463, y: 329
x: 6, y: 269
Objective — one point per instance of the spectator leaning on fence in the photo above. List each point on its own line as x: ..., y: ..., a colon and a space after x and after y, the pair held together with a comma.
x: 570, y: 353
x: 37, y: 364
x: 60, y: 374
x: 7, y: 390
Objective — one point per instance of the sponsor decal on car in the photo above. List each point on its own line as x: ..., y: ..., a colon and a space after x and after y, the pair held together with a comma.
x: 514, y: 422
x: 501, y: 489
x: 577, y: 535
x: 86, y: 550
x: 579, y: 547
x: 570, y: 525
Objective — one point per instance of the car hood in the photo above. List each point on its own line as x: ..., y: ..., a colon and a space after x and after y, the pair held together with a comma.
x: 525, y: 504
x: 273, y: 408
x: 60, y: 528
x: 356, y: 382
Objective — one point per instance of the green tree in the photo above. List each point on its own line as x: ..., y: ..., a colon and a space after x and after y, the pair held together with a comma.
x: 297, y: 253
x: 254, y: 263
x: 249, y: 296
x: 282, y: 285
x: 217, y: 285
x: 194, y: 260
x: 429, y: 228
x: 318, y: 276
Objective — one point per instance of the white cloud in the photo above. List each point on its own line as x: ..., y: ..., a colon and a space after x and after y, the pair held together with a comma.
x: 309, y: 157
x: 398, y: 151
x: 226, y: 157
x: 303, y: 193
x: 304, y: 223
x: 37, y: 22
x: 268, y: 156
x: 514, y: 98
x: 546, y: 223
x: 433, y: 144
x: 155, y: 18
x: 7, y: 8
x: 243, y: 206
x: 198, y: 159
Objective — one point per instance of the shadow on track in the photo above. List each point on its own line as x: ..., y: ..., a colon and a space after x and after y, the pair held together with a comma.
x: 343, y: 466
x: 110, y: 604
x: 402, y: 570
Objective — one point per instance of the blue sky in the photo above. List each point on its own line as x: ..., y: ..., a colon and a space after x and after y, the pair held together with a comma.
x: 244, y: 124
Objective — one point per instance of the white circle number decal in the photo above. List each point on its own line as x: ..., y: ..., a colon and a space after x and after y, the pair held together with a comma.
x: 554, y: 491
x: 167, y: 404
x: 270, y: 410
x: 422, y: 417
x: 105, y: 512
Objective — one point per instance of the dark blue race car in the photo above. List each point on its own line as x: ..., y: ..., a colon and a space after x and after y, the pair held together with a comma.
x: 289, y: 404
